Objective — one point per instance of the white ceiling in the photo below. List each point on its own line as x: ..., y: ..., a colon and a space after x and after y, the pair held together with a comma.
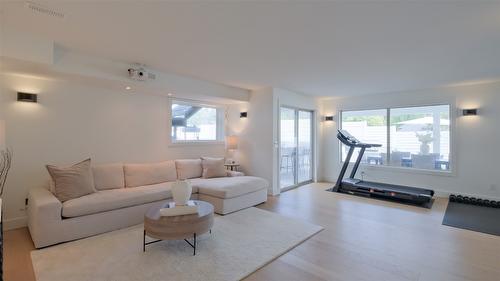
x: 321, y: 48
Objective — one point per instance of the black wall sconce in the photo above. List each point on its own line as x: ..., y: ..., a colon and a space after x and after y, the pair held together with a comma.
x: 27, y: 97
x: 243, y: 114
x: 329, y: 118
x: 469, y: 112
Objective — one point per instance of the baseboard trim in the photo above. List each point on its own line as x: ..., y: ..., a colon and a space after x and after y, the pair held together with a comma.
x: 14, y: 223
x: 446, y: 194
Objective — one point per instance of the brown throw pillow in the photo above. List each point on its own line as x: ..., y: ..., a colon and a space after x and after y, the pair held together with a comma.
x: 213, y: 167
x: 72, y: 182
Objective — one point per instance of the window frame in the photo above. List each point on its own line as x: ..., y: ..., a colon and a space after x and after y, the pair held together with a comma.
x: 221, y: 111
x: 452, y: 154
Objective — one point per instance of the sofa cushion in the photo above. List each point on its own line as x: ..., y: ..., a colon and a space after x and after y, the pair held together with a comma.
x: 229, y: 187
x: 72, y: 182
x: 151, y: 173
x: 108, y: 176
x: 213, y: 167
x: 112, y: 199
x: 188, y: 168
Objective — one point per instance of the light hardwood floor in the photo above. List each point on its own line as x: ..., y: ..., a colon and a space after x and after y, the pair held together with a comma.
x: 363, y: 239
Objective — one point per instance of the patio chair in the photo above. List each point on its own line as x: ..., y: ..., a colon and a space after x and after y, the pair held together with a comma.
x: 425, y: 162
x: 397, y: 158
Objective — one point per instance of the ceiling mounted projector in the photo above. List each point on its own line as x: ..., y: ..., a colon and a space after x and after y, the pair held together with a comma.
x: 138, y: 72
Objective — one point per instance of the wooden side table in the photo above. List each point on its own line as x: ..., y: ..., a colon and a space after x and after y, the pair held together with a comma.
x: 178, y: 227
x: 232, y: 167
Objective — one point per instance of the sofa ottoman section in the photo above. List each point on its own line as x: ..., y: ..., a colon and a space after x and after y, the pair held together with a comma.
x: 230, y: 205
x: 233, y: 193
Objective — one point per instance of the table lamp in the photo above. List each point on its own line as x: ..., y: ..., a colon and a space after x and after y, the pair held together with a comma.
x: 232, y: 146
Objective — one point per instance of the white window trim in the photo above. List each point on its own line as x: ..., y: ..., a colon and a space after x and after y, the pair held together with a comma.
x: 452, y: 157
x: 221, y: 122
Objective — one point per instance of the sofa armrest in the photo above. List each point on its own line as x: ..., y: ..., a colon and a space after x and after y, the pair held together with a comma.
x: 234, y: 174
x: 42, y: 204
x: 44, y: 217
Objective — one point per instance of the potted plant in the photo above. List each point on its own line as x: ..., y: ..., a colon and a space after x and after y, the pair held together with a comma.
x: 424, y: 140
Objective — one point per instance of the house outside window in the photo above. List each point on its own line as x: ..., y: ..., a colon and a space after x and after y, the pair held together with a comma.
x: 193, y: 122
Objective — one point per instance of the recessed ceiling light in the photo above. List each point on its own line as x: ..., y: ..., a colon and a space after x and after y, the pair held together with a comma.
x: 128, y: 88
x: 170, y: 94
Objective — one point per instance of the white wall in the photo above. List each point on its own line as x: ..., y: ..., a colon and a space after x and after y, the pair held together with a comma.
x: 73, y: 121
x: 255, y: 133
x: 258, y: 151
x: 2, y: 124
x: 475, y: 140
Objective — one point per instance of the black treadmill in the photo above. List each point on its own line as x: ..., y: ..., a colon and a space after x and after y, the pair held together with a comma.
x: 355, y: 186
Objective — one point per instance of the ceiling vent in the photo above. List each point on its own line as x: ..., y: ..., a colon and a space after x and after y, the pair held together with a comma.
x: 41, y: 9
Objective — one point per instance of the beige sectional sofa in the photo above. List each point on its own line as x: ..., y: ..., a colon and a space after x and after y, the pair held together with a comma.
x: 126, y: 191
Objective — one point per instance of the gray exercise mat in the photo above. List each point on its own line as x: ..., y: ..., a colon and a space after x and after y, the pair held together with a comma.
x: 472, y: 217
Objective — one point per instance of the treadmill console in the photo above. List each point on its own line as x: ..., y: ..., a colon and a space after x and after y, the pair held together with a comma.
x: 345, y: 134
x: 350, y: 140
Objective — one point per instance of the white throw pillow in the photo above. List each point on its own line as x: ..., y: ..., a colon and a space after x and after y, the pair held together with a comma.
x: 213, y: 167
x: 188, y: 168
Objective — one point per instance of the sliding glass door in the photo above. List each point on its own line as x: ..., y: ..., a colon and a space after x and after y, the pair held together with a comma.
x: 296, y: 143
x: 287, y: 147
x: 304, y: 147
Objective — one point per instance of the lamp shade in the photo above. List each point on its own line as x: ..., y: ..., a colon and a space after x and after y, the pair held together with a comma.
x: 232, y: 142
x: 2, y: 135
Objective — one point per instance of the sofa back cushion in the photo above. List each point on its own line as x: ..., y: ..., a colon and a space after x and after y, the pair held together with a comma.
x: 108, y: 176
x: 146, y: 174
x: 188, y: 168
x: 213, y: 167
x: 72, y: 182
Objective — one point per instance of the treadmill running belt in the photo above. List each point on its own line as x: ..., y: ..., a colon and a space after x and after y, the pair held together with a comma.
x: 395, y: 188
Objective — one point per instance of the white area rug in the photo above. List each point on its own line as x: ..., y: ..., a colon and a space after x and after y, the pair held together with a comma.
x: 240, y: 244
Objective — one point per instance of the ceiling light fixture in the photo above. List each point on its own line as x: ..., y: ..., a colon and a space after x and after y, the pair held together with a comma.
x: 170, y: 94
x: 128, y: 88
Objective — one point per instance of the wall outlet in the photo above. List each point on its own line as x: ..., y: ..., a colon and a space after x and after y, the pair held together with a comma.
x: 25, y: 205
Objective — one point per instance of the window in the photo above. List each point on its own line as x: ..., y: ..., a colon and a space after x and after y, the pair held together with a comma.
x: 192, y: 122
x: 368, y: 126
x: 411, y: 137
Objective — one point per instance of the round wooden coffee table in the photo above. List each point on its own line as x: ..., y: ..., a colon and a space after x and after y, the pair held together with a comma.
x: 178, y: 227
